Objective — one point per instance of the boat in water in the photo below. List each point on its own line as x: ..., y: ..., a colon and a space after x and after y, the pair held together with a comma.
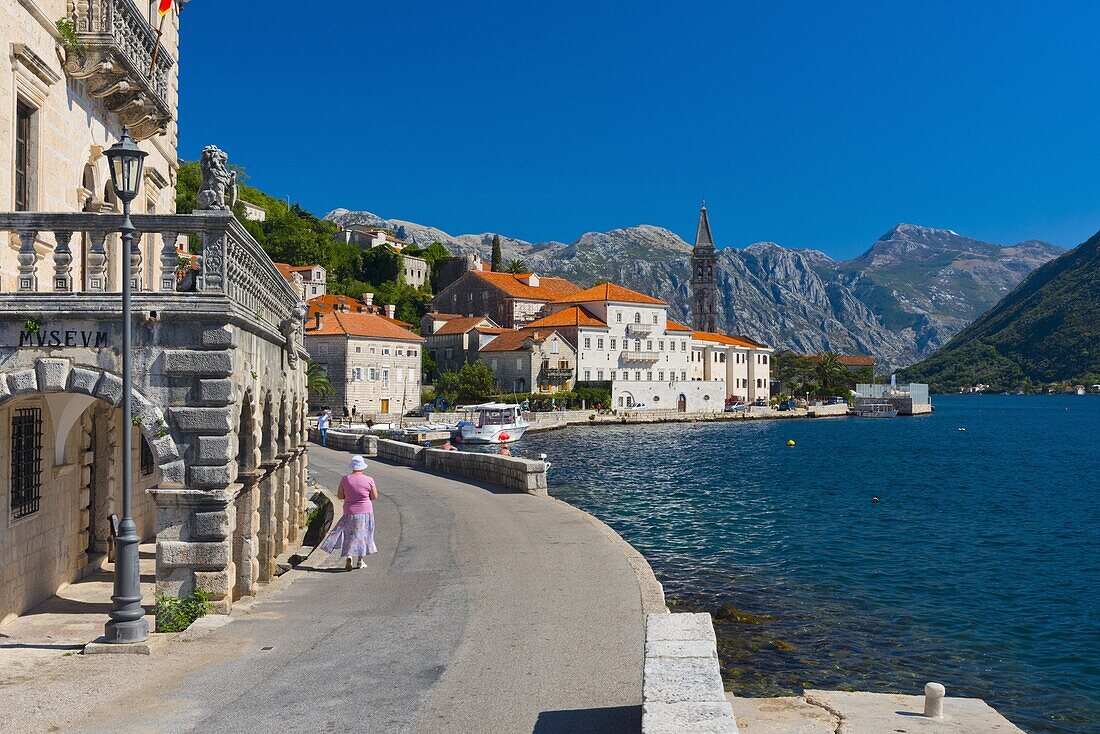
x: 492, y: 423
x: 875, y: 410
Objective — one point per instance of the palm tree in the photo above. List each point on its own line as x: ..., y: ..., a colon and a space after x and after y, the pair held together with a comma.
x: 830, y: 371
x: 317, y: 378
x: 517, y: 266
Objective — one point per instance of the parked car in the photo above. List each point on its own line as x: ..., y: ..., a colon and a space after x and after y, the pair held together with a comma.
x: 638, y: 406
x: 736, y: 407
x: 785, y: 405
x: 762, y: 402
x: 422, y: 412
x: 836, y: 400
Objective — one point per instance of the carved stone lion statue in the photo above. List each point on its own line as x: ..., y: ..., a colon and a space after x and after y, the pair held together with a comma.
x: 217, y: 181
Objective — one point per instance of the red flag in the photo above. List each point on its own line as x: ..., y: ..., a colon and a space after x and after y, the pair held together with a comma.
x: 165, y: 6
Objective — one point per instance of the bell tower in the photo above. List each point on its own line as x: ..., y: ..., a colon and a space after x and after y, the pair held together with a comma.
x: 704, y: 277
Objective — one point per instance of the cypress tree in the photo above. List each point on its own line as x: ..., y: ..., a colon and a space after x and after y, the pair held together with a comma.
x: 497, y: 257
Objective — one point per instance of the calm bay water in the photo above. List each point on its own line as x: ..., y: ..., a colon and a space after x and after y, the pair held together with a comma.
x: 978, y: 568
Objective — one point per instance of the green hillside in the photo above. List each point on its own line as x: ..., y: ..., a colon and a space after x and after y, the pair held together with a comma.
x: 1047, y: 330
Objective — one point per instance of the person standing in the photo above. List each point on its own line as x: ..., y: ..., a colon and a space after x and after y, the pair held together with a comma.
x: 354, y: 533
x: 323, y: 422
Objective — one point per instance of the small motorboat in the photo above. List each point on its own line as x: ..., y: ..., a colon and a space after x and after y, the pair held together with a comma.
x: 492, y: 423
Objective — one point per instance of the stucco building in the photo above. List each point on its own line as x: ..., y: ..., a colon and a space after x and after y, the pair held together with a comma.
x: 742, y: 364
x: 310, y: 280
x: 219, y: 385
x: 372, y: 363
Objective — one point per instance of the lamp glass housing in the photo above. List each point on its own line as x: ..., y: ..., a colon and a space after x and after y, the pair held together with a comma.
x: 126, y: 161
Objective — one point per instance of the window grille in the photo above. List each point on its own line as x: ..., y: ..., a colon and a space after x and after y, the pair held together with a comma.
x: 147, y: 463
x: 26, y: 462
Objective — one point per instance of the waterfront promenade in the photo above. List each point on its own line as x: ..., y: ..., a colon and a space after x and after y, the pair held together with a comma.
x: 484, y: 611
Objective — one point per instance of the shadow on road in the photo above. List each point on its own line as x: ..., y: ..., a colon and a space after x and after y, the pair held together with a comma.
x: 604, y: 720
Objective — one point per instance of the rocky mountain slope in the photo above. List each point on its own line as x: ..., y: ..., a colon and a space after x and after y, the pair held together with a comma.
x: 903, y: 298
x: 1046, y: 330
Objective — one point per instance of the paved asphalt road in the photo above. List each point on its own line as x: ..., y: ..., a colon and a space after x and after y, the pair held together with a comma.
x: 483, y: 611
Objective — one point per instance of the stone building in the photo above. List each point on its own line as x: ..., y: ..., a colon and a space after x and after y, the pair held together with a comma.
x: 742, y: 364
x: 511, y: 300
x: 372, y: 363
x: 531, y: 360
x: 219, y: 385
x: 311, y: 280
x: 453, y: 341
x: 414, y: 270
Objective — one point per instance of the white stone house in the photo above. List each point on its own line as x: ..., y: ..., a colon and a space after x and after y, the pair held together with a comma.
x: 372, y: 363
x: 626, y: 337
x: 453, y: 341
x: 744, y: 365
x: 219, y: 389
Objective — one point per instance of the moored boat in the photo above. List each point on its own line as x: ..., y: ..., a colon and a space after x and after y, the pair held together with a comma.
x: 493, y: 423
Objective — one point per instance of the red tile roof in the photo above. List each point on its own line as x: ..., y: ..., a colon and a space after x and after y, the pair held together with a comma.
x: 572, y: 316
x: 709, y: 336
x: 548, y: 289
x: 286, y: 269
x: 329, y: 303
x: 460, y: 325
x: 671, y: 325
x: 610, y: 292
x: 513, y: 340
x: 443, y: 316
x: 360, y: 324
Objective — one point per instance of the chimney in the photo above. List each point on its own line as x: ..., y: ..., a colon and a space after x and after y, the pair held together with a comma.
x: 319, y: 318
x: 390, y: 310
x: 368, y: 298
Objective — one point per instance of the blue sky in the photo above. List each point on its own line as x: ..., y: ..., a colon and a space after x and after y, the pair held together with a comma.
x: 809, y: 124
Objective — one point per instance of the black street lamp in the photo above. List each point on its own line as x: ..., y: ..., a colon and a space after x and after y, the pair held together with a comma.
x: 128, y: 623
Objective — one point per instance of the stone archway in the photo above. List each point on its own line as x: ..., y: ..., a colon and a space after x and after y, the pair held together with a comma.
x: 245, y: 532
x: 70, y: 417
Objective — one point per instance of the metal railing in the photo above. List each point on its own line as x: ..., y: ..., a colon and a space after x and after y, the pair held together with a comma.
x: 231, y: 261
x: 636, y: 356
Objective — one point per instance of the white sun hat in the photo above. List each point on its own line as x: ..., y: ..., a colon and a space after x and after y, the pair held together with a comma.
x: 357, y: 464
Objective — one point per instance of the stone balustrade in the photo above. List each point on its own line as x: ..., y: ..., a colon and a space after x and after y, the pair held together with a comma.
x: 231, y: 262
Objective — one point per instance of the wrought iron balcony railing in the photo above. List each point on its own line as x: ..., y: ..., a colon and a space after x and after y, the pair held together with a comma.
x: 635, y: 356
x: 117, y: 53
x: 231, y: 262
x: 557, y: 373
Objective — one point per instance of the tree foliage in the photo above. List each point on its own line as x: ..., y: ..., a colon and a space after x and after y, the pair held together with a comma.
x: 497, y: 255
x: 517, y: 266
x: 472, y: 383
x: 317, y: 379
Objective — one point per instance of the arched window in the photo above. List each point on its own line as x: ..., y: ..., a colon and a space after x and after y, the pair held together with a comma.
x: 637, y: 318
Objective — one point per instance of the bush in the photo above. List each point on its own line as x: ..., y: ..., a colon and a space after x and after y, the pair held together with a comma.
x: 175, y: 614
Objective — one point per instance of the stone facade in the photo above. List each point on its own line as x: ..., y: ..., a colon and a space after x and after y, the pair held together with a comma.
x: 531, y: 361
x: 72, y: 122
x: 704, y: 277
x: 219, y: 400
x: 373, y: 364
x: 453, y: 340
x: 509, y: 300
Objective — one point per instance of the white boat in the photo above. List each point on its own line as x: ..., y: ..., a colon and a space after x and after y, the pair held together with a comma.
x: 875, y: 410
x: 492, y: 423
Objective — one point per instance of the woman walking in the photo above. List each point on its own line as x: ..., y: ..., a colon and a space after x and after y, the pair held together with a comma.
x: 354, y: 534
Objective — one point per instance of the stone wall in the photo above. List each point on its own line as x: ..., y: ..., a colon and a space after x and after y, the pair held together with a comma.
x: 682, y: 683
x: 524, y: 475
x: 399, y: 452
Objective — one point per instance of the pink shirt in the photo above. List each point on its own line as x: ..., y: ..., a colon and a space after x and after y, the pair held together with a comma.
x: 357, y: 489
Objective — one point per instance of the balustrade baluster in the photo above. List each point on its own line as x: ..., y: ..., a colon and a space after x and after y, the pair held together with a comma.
x: 28, y: 261
x: 169, y: 260
x: 62, y: 261
x: 135, y: 262
x: 95, y: 265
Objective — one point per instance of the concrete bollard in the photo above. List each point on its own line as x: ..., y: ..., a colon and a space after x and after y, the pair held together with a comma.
x: 933, y: 700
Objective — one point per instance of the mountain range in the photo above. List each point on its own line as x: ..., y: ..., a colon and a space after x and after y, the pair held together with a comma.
x: 1046, y: 330
x: 907, y: 295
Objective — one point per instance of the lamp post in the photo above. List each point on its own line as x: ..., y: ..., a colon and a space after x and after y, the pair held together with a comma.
x: 128, y: 623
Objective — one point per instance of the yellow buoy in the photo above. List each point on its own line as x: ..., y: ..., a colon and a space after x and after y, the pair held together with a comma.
x: 790, y: 442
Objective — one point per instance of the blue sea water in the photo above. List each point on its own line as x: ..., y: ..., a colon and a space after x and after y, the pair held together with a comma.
x: 979, y: 567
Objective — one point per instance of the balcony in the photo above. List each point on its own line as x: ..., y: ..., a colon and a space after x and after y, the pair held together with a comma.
x: 634, y: 356
x: 117, y: 54
x: 557, y: 373
x: 231, y: 267
x: 639, y: 329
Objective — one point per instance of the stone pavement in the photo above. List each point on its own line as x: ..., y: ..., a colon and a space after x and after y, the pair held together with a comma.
x: 484, y: 611
x: 826, y: 712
